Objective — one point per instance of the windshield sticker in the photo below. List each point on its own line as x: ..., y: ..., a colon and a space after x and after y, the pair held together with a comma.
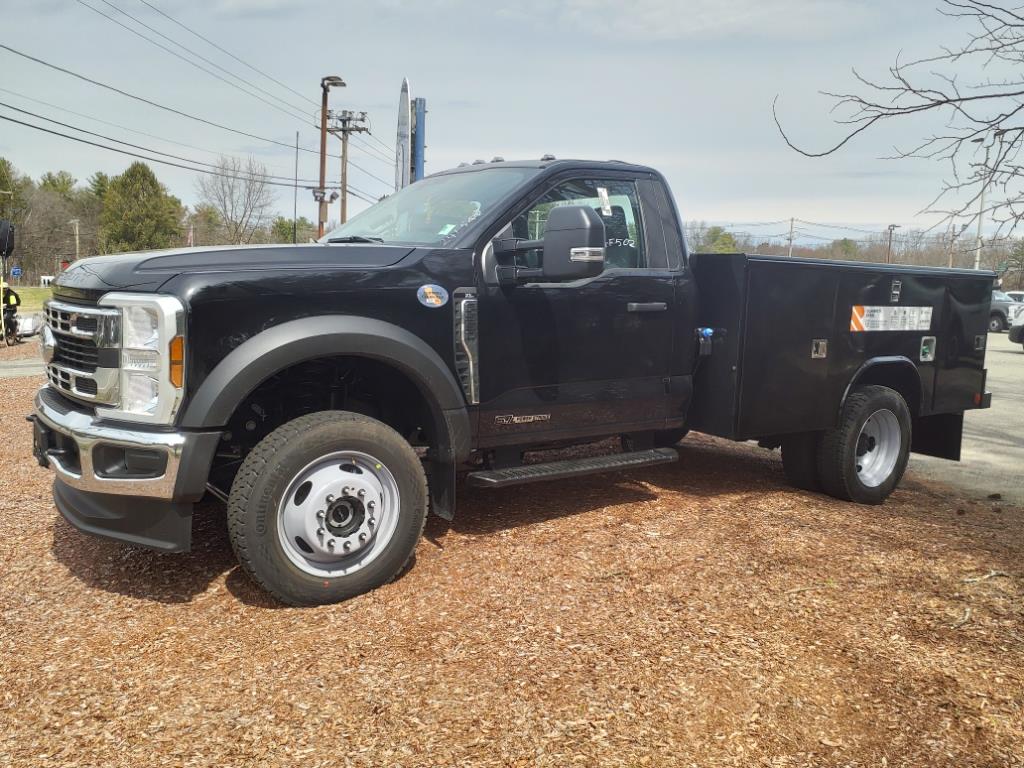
x: 446, y: 229
x: 432, y: 296
x: 864, y: 318
x: 606, y: 204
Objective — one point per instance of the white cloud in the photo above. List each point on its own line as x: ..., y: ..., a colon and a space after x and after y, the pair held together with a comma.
x: 698, y: 19
x: 256, y: 7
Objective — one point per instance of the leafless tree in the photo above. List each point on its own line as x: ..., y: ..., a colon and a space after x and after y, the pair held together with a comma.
x: 977, y: 91
x: 240, y: 194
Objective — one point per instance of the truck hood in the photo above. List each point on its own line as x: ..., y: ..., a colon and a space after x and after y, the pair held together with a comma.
x: 88, y: 279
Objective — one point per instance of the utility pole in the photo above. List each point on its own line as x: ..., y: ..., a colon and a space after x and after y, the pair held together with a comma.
x: 74, y: 223
x: 295, y: 195
x: 791, y: 238
x: 320, y: 195
x: 888, y: 252
x: 981, y: 215
x: 351, y: 122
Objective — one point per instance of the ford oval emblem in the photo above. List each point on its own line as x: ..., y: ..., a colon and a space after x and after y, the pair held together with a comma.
x: 432, y: 296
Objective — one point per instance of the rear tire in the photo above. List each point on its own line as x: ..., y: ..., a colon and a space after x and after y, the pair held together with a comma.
x: 864, y: 458
x: 996, y: 324
x: 800, y: 460
x: 326, y: 507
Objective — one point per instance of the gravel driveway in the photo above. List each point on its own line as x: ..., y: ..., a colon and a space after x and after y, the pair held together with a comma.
x: 698, y: 614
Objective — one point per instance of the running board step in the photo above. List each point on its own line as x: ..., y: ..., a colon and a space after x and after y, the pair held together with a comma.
x: 556, y: 470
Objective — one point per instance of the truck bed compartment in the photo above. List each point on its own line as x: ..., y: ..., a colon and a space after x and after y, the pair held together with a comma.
x: 791, y: 334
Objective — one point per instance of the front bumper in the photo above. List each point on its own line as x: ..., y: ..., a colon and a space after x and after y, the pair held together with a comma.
x: 135, y: 485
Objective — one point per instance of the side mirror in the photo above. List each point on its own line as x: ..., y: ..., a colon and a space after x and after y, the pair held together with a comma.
x: 573, y: 248
x: 573, y: 243
x: 6, y: 238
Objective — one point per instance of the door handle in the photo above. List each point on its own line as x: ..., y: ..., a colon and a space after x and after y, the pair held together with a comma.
x: 646, y: 306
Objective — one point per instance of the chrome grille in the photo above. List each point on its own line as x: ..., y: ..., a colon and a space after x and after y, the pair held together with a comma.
x: 80, y: 333
x: 77, y: 353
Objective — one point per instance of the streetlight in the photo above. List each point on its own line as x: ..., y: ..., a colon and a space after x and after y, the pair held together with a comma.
x: 326, y: 83
x: 888, y: 253
x: 998, y: 133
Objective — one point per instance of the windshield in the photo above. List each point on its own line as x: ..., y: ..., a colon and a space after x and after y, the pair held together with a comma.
x: 433, y: 211
x: 1000, y: 296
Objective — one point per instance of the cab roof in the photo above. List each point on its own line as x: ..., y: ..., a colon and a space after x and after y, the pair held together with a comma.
x: 549, y: 164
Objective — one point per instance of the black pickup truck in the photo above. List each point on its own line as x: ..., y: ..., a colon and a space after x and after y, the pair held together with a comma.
x: 332, y: 393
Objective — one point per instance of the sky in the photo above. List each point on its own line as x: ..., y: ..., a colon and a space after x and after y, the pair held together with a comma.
x: 686, y: 86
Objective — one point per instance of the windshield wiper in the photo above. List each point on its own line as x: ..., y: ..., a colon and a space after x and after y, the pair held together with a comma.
x: 355, y: 239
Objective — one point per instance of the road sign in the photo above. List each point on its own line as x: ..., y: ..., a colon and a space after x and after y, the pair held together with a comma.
x: 15, y: 272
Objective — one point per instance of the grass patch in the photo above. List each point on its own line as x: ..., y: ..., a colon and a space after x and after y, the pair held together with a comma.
x: 32, y: 298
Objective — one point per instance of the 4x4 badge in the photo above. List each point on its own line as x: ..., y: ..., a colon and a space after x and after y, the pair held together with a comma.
x: 432, y: 296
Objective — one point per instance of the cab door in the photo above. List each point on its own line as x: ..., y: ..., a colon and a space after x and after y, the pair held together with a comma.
x: 587, y: 357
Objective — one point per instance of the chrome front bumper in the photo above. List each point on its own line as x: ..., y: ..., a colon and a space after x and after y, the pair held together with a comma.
x: 77, y: 467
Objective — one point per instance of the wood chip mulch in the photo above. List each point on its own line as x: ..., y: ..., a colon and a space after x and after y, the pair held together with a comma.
x: 26, y: 350
x: 700, y: 614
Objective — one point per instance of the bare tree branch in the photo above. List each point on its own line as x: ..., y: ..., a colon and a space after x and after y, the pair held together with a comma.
x: 977, y: 88
x: 241, y: 196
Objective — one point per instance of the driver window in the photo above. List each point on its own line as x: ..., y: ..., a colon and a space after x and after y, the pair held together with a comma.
x: 617, y: 204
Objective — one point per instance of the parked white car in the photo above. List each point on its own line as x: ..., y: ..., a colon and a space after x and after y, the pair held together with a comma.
x: 1017, y: 326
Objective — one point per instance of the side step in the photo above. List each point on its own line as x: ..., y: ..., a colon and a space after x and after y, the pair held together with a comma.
x: 556, y: 470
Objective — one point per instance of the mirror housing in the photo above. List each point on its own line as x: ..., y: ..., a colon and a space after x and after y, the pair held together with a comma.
x: 573, y: 248
x: 6, y: 238
x: 574, y: 242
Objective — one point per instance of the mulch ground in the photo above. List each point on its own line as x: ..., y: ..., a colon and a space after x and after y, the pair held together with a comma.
x: 28, y: 349
x: 696, y: 615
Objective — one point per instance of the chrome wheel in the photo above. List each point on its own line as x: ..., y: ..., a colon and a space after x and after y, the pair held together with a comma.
x: 338, y: 514
x: 878, y: 448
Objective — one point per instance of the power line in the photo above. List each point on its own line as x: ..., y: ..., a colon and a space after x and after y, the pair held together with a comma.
x: 226, y: 52
x: 385, y: 182
x: 300, y: 110
x: 390, y: 150
x: 138, y: 146
x: 112, y: 125
x: 839, y: 227
x: 172, y: 110
x: 142, y: 99
x: 375, y: 154
x: 142, y: 157
x: 179, y: 56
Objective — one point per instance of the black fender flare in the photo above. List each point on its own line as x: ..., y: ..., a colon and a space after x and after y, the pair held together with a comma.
x: 906, y: 367
x: 296, y: 341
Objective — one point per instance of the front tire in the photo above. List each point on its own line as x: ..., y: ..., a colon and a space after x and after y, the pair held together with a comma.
x: 864, y: 458
x: 326, y: 507
x: 996, y: 324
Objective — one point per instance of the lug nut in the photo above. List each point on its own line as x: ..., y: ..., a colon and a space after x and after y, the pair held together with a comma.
x: 320, y: 531
x: 371, y: 505
x: 330, y: 498
x: 362, y: 537
x: 320, y: 515
x: 348, y: 546
x: 373, y: 521
x: 330, y: 544
x: 362, y: 492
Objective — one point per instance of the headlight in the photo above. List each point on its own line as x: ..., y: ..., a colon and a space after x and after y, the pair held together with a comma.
x: 140, y: 327
x: 152, y: 377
